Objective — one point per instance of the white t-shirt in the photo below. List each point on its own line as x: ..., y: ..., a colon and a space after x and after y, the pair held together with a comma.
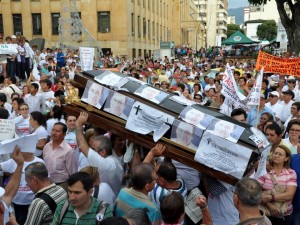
x: 24, y: 195
x: 106, y: 194
x: 34, y: 102
x: 70, y: 138
x: 22, y: 126
x: 41, y: 134
x: 82, y: 161
x: 45, y: 102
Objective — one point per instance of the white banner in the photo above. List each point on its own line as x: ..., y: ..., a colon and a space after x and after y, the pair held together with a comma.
x: 86, y: 58
x: 223, y: 155
x: 8, y: 49
x: 26, y: 143
x: 254, y: 96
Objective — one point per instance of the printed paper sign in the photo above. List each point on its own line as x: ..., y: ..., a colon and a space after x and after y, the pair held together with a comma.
x: 196, y: 117
x: 262, y: 166
x: 191, y: 209
x: 151, y: 94
x: 144, y: 119
x: 260, y: 135
x: 186, y: 134
x: 254, y: 96
x: 223, y: 155
x: 8, y: 49
x: 26, y: 143
x: 225, y: 129
x: 94, y: 94
x: 86, y: 58
x: 118, y: 105
x: 108, y: 78
x: 7, y: 129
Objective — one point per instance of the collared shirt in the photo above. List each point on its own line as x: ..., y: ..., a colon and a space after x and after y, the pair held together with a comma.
x: 276, y: 109
x: 287, y: 110
x: 261, y: 220
x: 251, y: 117
x: 39, y: 211
x: 71, y: 217
x: 129, y: 198
x: 110, y: 169
x: 34, y: 102
x: 60, y: 161
x: 287, y: 143
x: 287, y: 177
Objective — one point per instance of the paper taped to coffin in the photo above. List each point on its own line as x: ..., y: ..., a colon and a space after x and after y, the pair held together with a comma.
x: 194, y: 135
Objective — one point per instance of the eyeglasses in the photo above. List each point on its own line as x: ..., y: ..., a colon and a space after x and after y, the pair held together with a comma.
x: 294, y: 130
x: 24, y: 109
x: 272, y: 96
x: 291, y: 81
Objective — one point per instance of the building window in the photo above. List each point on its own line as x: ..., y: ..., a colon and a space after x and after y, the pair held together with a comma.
x: 55, y: 23
x: 139, y: 26
x: 104, y: 21
x: 133, y: 53
x: 17, y: 21
x: 153, y: 31
x: 149, y: 30
x: 36, y: 24
x: 144, y: 27
x: 140, y: 53
x: 1, y: 24
x: 132, y: 24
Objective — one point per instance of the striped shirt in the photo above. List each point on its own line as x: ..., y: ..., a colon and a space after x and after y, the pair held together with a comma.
x: 39, y: 212
x: 129, y: 198
x: 158, y: 193
x: 287, y: 177
x: 89, y: 218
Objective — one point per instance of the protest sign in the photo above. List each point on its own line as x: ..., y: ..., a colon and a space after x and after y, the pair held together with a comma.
x: 118, y: 105
x: 254, y: 96
x: 186, y: 134
x: 223, y: 155
x: 274, y: 64
x: 144, y: 119
x: 262, y: 166
x: 8, y: 49
x: 7, y: 129
x: 191, y: 209
x: 108, y: 78
x: 196, y: 117
x: 86, y: 58
x: 26, y: 143
x: 151, y: 94
x: 94, y: 94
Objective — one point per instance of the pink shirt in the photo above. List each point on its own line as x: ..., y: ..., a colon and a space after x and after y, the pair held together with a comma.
x: 60, y: 162
x: 287, y: 177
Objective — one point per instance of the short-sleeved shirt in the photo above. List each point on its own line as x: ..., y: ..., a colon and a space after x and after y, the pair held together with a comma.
x: 287, y: 177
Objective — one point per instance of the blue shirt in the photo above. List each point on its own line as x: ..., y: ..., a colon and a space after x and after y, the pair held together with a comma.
x: 251, y: 117
x: 295, y: 165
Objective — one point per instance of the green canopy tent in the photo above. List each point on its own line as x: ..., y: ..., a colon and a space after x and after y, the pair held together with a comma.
x: 238, y: 38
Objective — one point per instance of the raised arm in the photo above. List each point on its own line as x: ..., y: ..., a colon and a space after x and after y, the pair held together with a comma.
x: 81, y: 142
x: 14, y: 182
x: 206, y: 217
x: 156, y: 151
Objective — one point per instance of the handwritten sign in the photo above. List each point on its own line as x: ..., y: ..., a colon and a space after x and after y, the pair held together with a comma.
x: 7, y: 129
x: 274, y: 64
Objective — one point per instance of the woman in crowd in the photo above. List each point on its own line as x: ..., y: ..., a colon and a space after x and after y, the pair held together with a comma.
x: 295, y: 109
x: 293, y: 132
x: 186, y: 94
x: 102, y: 191
x: 279, y: 186
x: 164, y: 86
x: 38, y: 123
x: 265, y: 117
x: 22, y: 121
x: 15, y: 107
x: 56, y: 115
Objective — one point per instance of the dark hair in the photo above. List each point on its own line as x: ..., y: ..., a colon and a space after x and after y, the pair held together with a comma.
x: 138, y: 216
x: 238, y: 111
x: 18, y: 100
x: 237, y: 73
x: 3, y: 97
x: 212, y: 89
x: 269, y: 115
x: 291, y: 123
x: 47, y: 81
x: 105, y: 144
x: 141, y: 175
x: 39, y: 117
x: 15, y: 93
x: 172, y: 207
x: 274, y: 126
x: 4, y: 114
x: 58, y: 93
x: 38, y: 170
x: 182, y: 86
x: 23, y: 103
x: 64, y: 126
x: 84, y: 178
x: 297, y: 104
x: 167, y: 171
x: 57, y: 112
x: 243, y: 78
x: 114, y: 221
x: 266, y: 81
x: 35, y: 85
x: 248, y: 191
x: 13, y: 80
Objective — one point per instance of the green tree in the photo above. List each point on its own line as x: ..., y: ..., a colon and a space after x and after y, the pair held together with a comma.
x: 232, y: 28
x: 267, y: 30
x: 291, y: 23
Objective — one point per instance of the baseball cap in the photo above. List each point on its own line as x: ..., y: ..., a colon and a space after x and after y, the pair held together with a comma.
x: 13, y: 36
x: 291, y: 78
x: 274, y: 93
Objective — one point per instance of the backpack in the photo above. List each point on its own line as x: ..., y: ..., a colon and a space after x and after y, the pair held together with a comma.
x: 99, y: 217
x: 49, y: 201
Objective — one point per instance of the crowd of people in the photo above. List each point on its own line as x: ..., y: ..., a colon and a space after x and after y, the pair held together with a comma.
x: 81, y: 174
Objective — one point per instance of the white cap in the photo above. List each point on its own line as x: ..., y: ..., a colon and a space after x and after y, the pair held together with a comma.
x: 275, y: 93
x: 13, y: 36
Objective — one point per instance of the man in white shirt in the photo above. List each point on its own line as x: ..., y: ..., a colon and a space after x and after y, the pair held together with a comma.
x: 110, y: 169
x: 33, y: 99
x: 47, y: 95
x: 287, y: 102
x: 11, y: 88
x: 274, y: 105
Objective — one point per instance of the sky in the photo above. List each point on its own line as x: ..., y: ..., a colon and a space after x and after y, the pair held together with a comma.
x: 237, y: 3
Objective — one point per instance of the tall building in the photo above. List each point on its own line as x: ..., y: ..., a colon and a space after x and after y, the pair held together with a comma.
x: 125, y: 27
x: 213, y: 14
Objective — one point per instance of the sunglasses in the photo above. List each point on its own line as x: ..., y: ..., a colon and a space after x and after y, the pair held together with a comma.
x: 272, y: 96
